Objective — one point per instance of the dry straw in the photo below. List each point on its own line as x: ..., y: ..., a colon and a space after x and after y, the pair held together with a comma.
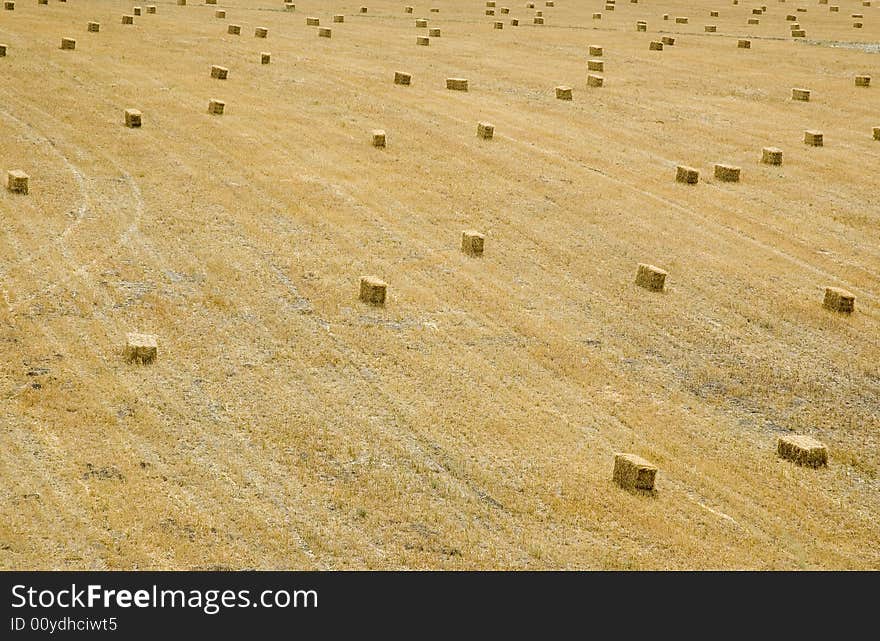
x: 17, y: 181
x: 261, y: 32
x: 127, y: 19
x: 434, y: 33
x: 813, y: 138
x: 218, y: 72
x: 220, y: 13
x: 423, y: 40
x: 457, y: 84
x: 378, y: 137
x: 803, y: 450
x: 140, y: 348
x: 265, y: 58
x: 485, y: 130
x: 402, y: 78
x: 650, y: 277
x: 216, y: 107
x: 234, y: 29
x: 596, y: 51
x: 798, y: 33
x: 681, y: 20
x: 800, y: 94
x: 727, y: 173
x: 421, y: 23
x: 133, y: 118
x: 595, y: 81
x: 710, y: 28
x: 655, y: 45
x: 839, y: 300
x: 771, y: 156
x: 373, y: 290
x: 754, y: 21
x: 68, y: 43
x: 744, y: 44
x: 595, y: 65
x: 863, y: 81
x: 633, y: 473
x: 339, y: 18
x: 325, y: 32
x: 312, y: 21
x: 151, y: 8
x: 667, y: 41
x: 94, y: 27
x: 685, y: 174
x: 472, y: 242
x: 563, y: 93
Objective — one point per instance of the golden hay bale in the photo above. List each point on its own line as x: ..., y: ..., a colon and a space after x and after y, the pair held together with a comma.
x: 595, y: 81
x: 641, y: 26
x: 363, y: 9
x: 563, y: 93
x: 3, y: 50
x: 595, y: 65
x: 597, y: 16
x: 803, y: 450
x: 312, y: 21
x: 863, y: 81
x: 505, y: 10
x: 609, y: 7
x: 457, y: 84
x: 127, y: 19
x: 216, y: 107
x: 181, y: 3
x: 685, y: 174
x: 68, y: 43
x: 140, y: 348
x: 220, y: 13
x: 485, y: 130
x: 210, y: 1
x: 136, y: 11
x: 876, y: 131
x: 434, y: 33
x: 373, y: 290
x: 490, y: 12
x: 834, y: 8
x: 858, y: 25
x: 491, y: 4
x: 757, y: 12
x: 681, y: 20
x: 234, y: 29
x: 791, y: 18
x: 713, y: 14
x: 744, y: 44
x: 423, y: 40
x: 407, y: 9
x: 538, y: 20
x: 94, y: 27
x: 667, y: 41
x: 289, y: 6
x: 218, y: 72
x: 595, y: 50
x: 710, y: 28
x: 378, y: 137
x: 472, y: 242
x: 421, y: 23
x: 727, y: 173
x: 265, y: 57
x: 325, y: 32
x: 498, y: 25
x: 771, y: 156
x: 798, y: 33
x: 800, y: 94
x: 813, y: 138
x: 133, y: 118
x: 650, y: 277
x: 633, y: 473
x: 402, y: 78
x: 514, y: 22
x: 339, y: 18
x: 655, y: 45
x: 261, y: 32
x: 549, y: 3
x: 151, y: 8
x: 17, y: 181
x: 839, y: 300
x: 754, y: 21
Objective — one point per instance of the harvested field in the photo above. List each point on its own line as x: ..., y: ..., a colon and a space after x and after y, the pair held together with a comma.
x: 471, y: 420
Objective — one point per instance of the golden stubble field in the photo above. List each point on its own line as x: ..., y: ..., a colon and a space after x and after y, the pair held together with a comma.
x: 472, y: 421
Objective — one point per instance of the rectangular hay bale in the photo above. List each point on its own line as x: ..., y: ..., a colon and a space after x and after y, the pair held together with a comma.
x: 133, y: 118
x: 140, y: 348
x: 688, y: 175
x: 485, y: 130
x: 373, y: 290
x: 632, y: 472
x: 17, y: 181
x: 457, y: 84
x: 650, y: 277
x: 472, y: 242
x: 803, y: 450
x: 839, y: 300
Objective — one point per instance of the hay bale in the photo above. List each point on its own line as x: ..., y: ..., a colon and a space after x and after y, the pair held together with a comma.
x: 710, y: 28
x: 505, y: 10
x: 834, y: 8
x: 434, y: 33
x: 485, y: 130
x: 151, y: 8
x: 325, y: 32
x: 339, y: 18
x: 472, y: 242
x: 813, y: 138
x: 514, y: 22
x: 491, y: 4
x: 744, y: 44
x: 713, y: 14
x: 234, y: 29
x: 490, y: 12
x: 181, y: 3
x: 457, y: 84
x: 655, y: 45
x: 803, y: 450
x: 641, y: 26
x: 563, y: 93
x: 727, y: 173
x: 685, y: 174
x: 595, y: 51
x: 261, y: 32
x: 363, y: 9
x: 633, y: 473
x: 93, y: 27
x: 68, y: 43
x: 289, y: 6
x: 798, y: 33
x: 17, y: 181
x: 597, y: 16
x: 373, y: 290
x: 140, y: 348
x: 538, y: 20
x: 549, y: 3
x: 681, y: 20
x: 220, y: 13
x: 839, y: 300
x: 595, y: 65
x: 421, y: 23
x: 876, y: 129
x: 857, y: 25
x: 402, y: 78
x: 216, y: 107
x: 265, y: 58
x: 650, y: 277
x: 434, y: 10
x: 771, y: 156
x: 3, y: 50
x: 136, y: 11
x: 498, y: 25
x: 218, y: 72
x: 407, y: 9
x: 667, y: 41
x: 312, y: 21
x: 754, y: 21
x: 133, y: 118
x: 423, y: 40
x: 378, y: 137
x: 127, y: 19
x: 800, y: 94
x: 863, y: 81
x: 594, y: 80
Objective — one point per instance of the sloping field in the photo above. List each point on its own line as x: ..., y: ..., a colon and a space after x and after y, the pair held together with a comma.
x: 471, y: 422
